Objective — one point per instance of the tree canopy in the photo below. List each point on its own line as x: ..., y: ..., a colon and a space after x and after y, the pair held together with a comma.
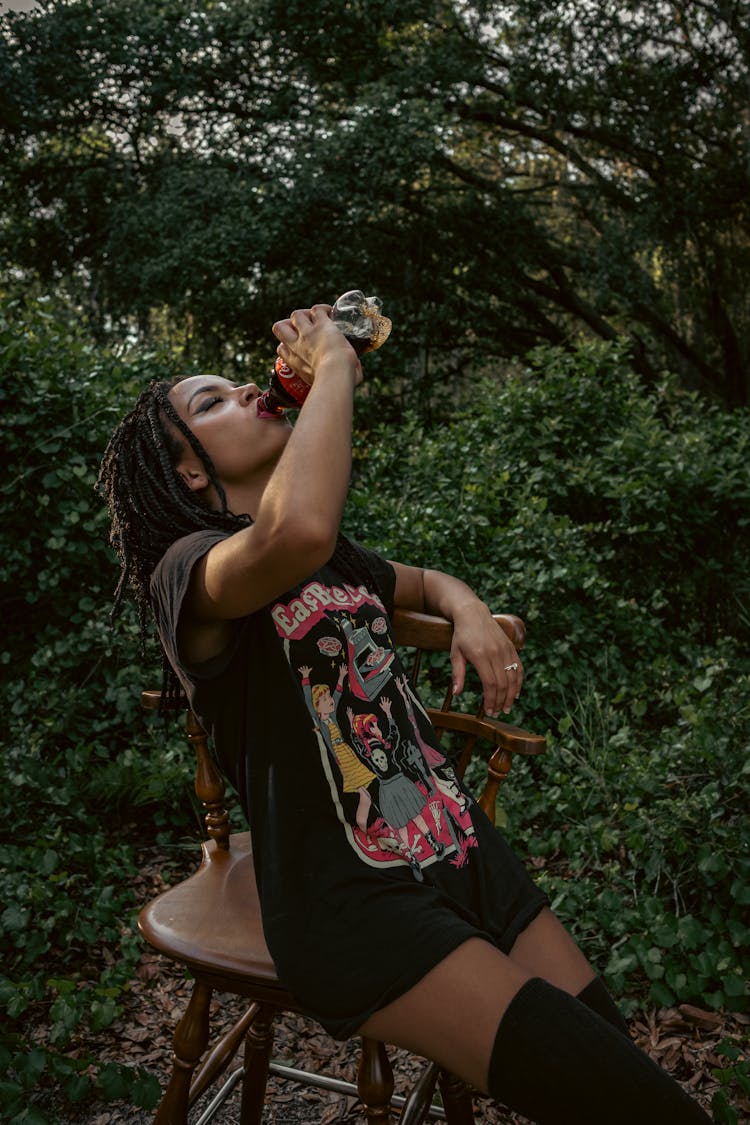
x: 505, y: 174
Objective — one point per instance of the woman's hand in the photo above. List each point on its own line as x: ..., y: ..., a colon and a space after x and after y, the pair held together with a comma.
x: 477, y: 637
x: 309, y: 342
x: 479, y: 640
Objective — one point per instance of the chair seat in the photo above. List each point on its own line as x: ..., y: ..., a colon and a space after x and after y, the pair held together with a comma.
x: 211, y: 921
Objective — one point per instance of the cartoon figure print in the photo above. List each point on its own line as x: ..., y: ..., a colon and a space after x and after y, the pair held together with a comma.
x: 401, y: 800
x: 369, y: 672
x: 355, y: 776
x: 424, y: 770
x: 395, y: 794
x: 429, y: 763
x: 369, y: 662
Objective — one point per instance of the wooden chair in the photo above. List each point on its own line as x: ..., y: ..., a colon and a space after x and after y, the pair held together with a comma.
x: 211, y: 924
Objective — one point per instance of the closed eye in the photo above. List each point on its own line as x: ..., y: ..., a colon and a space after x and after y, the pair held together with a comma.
x: 207, y: 403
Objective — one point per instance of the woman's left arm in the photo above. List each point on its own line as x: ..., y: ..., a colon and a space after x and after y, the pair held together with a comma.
x: 476, y: 637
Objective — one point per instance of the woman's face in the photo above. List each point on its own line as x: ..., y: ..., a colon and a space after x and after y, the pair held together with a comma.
x: 224, y: 418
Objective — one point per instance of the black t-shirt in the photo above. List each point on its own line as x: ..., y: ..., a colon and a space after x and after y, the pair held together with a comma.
x: 372, y: 862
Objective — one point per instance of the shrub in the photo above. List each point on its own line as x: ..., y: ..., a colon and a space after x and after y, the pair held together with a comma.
x: 614, y: 519
x: 73, y: 738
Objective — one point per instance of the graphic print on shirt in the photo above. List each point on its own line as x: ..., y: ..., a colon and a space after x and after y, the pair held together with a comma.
x: 395, y: 793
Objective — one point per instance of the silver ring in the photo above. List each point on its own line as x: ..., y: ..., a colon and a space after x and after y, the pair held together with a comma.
x: 511, y: 667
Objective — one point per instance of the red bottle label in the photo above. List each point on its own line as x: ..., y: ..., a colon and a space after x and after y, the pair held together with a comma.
x: 297, y: 388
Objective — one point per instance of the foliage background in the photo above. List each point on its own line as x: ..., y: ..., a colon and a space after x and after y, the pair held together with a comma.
x: 554, y: 208
x: 613, y: 518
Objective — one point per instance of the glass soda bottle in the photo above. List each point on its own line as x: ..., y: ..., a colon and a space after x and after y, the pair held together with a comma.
x: 361, y: 321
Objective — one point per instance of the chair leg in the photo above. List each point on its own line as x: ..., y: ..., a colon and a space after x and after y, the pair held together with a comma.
x: 375, y: 1082
x: 258, y: 1043
x: 190, y: 1041
x: 457, y: 1100
x: 419, y: 1100
x: 215, y: 1062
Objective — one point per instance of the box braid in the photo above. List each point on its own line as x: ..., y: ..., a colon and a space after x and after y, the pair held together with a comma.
x: 151, y: 507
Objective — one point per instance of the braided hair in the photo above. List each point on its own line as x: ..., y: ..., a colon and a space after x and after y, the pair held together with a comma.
x: 150, y: 507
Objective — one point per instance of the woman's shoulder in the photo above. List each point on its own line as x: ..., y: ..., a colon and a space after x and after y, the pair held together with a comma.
x: 169, y: 589
x: 186, y: 550
x: 171, y: 575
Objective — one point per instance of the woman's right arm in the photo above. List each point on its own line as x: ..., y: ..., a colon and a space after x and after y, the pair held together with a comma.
x: 297, y: 519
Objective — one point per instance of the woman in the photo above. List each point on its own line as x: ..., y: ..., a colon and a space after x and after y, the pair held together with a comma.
x: 227, y: 525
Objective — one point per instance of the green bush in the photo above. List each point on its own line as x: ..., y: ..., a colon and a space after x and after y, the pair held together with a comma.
x: 77, y: 756
x: 616, y: 521
x: 641, y: 842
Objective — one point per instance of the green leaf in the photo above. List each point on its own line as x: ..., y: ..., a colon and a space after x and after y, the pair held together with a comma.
x: 29, y: 1067
x: 661, y: 995
x: 113, y: 1081
x: 734, y: 984
x: 146, y: 1091
x: 14, y: 918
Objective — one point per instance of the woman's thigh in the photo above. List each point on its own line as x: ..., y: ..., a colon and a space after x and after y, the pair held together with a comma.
x: 453, y: 1013
x: 546, y: 949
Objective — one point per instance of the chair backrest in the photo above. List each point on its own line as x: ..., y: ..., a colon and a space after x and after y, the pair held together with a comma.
x: 209, y: 783
x: 411, y: 630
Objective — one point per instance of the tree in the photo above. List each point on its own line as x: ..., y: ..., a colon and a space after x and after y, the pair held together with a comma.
x: 503, y: 174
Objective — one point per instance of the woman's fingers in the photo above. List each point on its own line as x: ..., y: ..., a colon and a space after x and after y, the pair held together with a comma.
x: 510, y: 687
x: 500, y: 671
x: 503, y: 685
x: 458, y: 668
x: 290, y: 328
x: 307, y: 336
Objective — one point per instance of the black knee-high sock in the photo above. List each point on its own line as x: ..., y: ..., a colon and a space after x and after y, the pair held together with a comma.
x: 559, y: 1063
x: 596, y: 997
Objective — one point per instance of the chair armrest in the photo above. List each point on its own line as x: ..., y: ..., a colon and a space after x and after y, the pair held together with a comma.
x: 150, y: 700
x: 433, y: 634
x: 516, y: 740
x: 507, y: 737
